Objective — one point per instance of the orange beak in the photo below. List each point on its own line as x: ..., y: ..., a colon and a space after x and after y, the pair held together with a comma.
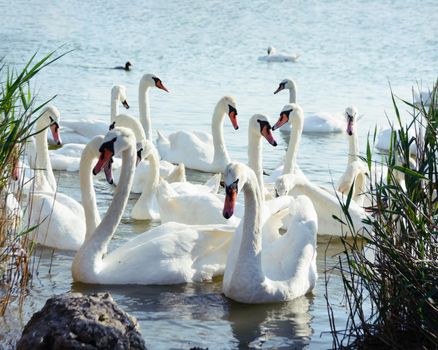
x: 267, y: 134
x: 54, y: 128
x: 230, y: 202
x: 104, y: 159
x: 161, y: 86
x: 233, y: 118
x: 281, y: 121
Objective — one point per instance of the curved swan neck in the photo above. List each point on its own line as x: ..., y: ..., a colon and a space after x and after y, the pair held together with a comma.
x: 293, y: 93
x: 353, y: 148
x: 145, y: 114
x: 217, y: 126
x: 114, y: 107
x: 255, y: 161
x: 88, y: 195
x: 150, y: 184
x: 44, y: 176
x: 292, y: 150
x: 89, y: 258
x: 249, y: 262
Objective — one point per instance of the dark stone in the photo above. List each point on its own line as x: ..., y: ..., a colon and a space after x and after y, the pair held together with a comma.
x: 76, y: 321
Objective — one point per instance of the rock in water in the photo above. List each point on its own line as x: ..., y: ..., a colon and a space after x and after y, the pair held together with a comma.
x: 76, y: 321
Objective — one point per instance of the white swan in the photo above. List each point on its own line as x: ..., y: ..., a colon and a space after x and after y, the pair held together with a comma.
x: 82, y: 130
x: 356, y: 171
x: 143, y: 170
x: 326, y: 204
x: 383, y: 142
x: 147, y: 207
x: 200, y: 150
x: 293, y: 114
x: 60, y: 218
x: 257, y: 272
x: 168, y: 254
x: 314, y: 123
x: 273, y: 56
x: 203, y: 207
x: 68, y: 157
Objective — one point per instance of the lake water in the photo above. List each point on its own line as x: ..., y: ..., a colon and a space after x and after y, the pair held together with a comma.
x: 202, y: 50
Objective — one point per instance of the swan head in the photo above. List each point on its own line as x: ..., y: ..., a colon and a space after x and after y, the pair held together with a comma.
x: 287, y: 182
x: 285, y: 84
x: 115, y: 142
x: 227, y: 104
x: 144, y: 149
x: 292, y: 113
x: 151, y: 80
x: 235, y: 177
x: 118, y: 92
x: 259, y: 125
x: 271, y: 50
x: 50, y: 118
x: 351, y: 118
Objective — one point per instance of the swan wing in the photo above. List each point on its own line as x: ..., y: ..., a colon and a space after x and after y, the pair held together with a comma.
x: 168, y: 254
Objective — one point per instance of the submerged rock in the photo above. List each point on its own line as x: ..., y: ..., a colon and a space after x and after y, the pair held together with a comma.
x: 76, y: 321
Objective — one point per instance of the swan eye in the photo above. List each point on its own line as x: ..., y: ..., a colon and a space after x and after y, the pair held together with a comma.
x: 156, y: 80
x: 112, y: 126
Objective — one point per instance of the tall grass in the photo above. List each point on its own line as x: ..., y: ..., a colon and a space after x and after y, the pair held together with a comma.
x: 17, y: 110
x: 391, y: 278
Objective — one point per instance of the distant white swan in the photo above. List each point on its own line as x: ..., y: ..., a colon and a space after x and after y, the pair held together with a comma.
x: 257, y: 272
x: 356, y: 171
x: 168, y: 254
x: 83, y: 129
x: 200, y: 150
x: 273, y: 56
x: 313, y: 123
x: 60, y: 218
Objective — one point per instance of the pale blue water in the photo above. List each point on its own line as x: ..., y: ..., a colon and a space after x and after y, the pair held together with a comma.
x: 202, y: 50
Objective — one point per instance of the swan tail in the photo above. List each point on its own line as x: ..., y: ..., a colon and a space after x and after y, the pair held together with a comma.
x: 213, y: 183
x: 178, y: 174
x: 163, y: 144
x: 164, y: 190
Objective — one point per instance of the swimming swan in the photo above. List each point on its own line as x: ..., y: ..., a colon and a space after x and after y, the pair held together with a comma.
x: 314, y: 123
x: 168, y: 254
x: 203, y: 207
x: 273, y: 56
x: 83, y: 129
x: 61, y: 219
x: 257, y: 272
x: 356, y: 169
x: 200, y: 150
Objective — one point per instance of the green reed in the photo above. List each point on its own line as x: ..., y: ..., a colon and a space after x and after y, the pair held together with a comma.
x: 18, y: 114
x: 390, y: 278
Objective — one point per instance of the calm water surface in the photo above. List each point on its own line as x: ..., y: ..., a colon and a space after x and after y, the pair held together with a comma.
x: 202, y: 50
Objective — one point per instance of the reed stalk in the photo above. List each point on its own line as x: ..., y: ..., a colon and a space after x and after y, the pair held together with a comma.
x: 391, y: 278
x: 18, y: 114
